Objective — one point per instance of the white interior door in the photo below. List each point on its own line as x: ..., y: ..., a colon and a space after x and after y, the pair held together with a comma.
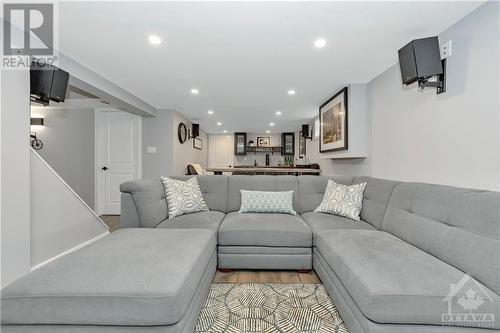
x: 118, y: 156
x: 220, y: 151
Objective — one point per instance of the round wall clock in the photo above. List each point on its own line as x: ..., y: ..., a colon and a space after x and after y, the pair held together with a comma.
x: 182, y: 132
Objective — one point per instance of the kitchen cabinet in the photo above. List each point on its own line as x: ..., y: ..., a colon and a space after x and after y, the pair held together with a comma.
x: 288, y: 143
x: 240, y: 143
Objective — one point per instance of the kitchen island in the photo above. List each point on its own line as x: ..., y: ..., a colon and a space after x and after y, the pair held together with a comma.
x: 283, y: 170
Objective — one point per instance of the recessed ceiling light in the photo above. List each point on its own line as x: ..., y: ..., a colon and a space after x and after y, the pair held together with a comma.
x: 320, y: 43
x: 271, y: 124
x: 155, y: 40
x: 278, y: 113
x: 194, y: 91
x: 210, y: 112
x: 225, y: 131
x: 291, y: 92
x: 268, y: 131
x: 219, y: 123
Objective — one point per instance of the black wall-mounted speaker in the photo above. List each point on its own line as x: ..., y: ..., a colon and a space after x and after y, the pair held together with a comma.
x: 420, y: 59
x: 305, y: 130
x: 195, y: 129
x: 48, y: 83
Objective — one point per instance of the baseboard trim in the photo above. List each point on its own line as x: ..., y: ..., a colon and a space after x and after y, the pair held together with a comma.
x: 73, y: 249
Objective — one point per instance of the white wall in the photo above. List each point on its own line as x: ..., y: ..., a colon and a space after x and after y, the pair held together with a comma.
x: 68, y: 137
x: 452, y: 138
x: 60, y: 220
x: 359, y: 131
x: 171, y: 157
x: 15, y: 155
x: 157, y: 132
x: 15, y: 175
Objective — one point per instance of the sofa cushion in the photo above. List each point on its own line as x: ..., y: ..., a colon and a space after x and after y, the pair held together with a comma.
x: 459, y: 226
x: 392, y: 281
x: 319, y: 222
x: 201, y: 220
x: 258, y: 183
x: 375, y: 198
x: 261, y: 229
x: 214, y: 190
x: 149, y: 198
x: 151, y: 205
x: 137, y: 277
x: 312, y: 190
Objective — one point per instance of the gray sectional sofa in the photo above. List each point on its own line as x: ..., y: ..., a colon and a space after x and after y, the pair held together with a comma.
x: 399, y: 269
x: 390, y: 272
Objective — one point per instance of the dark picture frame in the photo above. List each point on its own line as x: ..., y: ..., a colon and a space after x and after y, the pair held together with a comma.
x: 333, y: 123
x: 263, y: 141
x: 198, y: 143
x: 302, y: 145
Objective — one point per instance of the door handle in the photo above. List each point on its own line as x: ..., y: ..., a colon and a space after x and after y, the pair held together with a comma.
x: 105, y: 168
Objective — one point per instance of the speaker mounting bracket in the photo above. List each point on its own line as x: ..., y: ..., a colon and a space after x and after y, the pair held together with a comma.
x: 439, y: 84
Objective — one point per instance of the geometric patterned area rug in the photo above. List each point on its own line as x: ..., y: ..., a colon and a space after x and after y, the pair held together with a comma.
x: 269, y: 307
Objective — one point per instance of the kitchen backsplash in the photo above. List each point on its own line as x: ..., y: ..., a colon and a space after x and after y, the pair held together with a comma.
x: 249, y: 159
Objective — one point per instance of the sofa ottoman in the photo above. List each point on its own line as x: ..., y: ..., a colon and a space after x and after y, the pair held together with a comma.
x: 264, y: 241
x: 390, y: 280
x: 143, y: 279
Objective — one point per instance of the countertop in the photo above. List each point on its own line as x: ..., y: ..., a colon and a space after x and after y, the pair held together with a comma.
x: 262, y: 169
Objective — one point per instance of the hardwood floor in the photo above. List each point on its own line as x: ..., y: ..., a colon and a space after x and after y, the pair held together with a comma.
x: 240, y: 276
x: 112, y: 221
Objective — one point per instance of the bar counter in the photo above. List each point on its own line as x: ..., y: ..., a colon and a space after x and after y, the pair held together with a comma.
x: 297, y: 171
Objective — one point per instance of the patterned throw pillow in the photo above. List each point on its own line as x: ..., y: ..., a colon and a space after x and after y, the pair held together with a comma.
x: 183, y: 197
x: 267, y: 202
x: 342, y: 200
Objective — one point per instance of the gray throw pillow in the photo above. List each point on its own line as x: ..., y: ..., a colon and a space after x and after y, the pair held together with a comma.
x: 183, y: 197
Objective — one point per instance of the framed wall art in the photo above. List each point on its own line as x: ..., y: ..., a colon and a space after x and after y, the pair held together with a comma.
x: 263, y: 141
x: 333, y: 123
x: 197, y: 143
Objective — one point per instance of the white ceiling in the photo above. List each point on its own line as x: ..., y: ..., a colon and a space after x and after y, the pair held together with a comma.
x: 243, y: 56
